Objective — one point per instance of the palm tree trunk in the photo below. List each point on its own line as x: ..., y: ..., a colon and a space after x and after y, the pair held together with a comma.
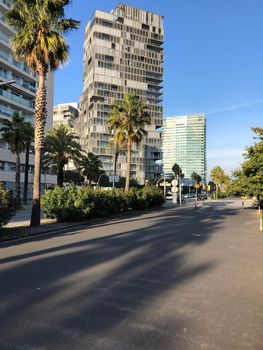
x: 17, y: 180
x: 60, y: 175
x: 40, y: 120
x: 26, y: 173
x: 116, y: 155
x: 128, y: 174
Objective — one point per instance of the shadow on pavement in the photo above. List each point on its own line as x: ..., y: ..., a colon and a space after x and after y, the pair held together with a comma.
x: 102, y: 293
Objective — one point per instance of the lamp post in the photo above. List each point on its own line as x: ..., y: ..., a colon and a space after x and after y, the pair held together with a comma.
x: 97, y: 186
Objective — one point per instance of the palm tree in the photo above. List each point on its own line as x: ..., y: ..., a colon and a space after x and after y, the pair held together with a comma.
x: 117, y: 146
x: 61, y: 146
x: 177, y: 170
x: 128, y: 117
x: 197, y: 178
x: 178, y: 174
x: 29, y: 137
x: 39, y: 42
x: 91, y: 167
x: 13, y: 132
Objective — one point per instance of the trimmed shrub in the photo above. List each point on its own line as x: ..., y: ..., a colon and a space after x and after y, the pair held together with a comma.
x: 6, y: 205
x: 74, y: 204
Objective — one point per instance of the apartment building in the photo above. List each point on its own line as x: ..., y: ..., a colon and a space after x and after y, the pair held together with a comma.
x: 122, y: 53
x: 18, y: 96
x: 184, y: 143
x: 65, y: 114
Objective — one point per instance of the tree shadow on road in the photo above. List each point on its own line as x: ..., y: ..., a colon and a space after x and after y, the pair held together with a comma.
x: 106, y: 292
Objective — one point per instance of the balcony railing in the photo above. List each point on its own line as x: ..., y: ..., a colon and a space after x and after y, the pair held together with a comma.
x: 16, y: 98
x: 6, y: 3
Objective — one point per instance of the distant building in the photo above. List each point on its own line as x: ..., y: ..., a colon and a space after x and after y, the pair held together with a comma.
x: 184, y: 143
x: 65, y: 114
x: 122, y: 53
x: 18, y: 97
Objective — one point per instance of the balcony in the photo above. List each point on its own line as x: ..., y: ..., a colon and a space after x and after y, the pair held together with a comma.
x: 17, y: 99
x: 6, y: 3
x: 12, y: 63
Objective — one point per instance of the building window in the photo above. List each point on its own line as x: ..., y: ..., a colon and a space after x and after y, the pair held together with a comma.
x: 113, y: 46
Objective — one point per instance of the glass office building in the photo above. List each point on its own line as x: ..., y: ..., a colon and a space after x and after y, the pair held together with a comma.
x: 184, y: 143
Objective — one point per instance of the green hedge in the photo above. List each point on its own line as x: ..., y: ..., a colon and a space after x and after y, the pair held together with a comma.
x: 6, y: 205
x: 74, y: 204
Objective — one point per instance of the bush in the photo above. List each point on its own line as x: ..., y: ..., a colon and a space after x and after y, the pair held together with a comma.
x: 74, y: 204
x: 6, y: 205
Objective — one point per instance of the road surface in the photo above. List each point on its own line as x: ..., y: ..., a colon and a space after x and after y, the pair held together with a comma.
x: 179, y: 278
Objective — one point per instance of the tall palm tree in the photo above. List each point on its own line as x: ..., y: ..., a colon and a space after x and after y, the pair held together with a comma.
x: 13, y: 132
x: 91, y: 167
x: 61, y: 146
x: 39, y: 42
x: 29, y: 137
x: 128, y: 118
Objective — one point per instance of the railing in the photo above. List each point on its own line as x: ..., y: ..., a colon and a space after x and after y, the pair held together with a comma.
x: 19, y: 99
x: 10, y: 59
x: 4, y: 37
x: 6, y: 3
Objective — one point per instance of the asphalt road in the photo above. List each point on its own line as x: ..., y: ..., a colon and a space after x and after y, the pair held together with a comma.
x: 171, y: 279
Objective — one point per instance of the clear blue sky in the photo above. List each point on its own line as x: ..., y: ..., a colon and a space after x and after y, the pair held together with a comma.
x: 213, y: 64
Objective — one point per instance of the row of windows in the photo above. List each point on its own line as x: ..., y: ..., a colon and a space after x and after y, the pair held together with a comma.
x: 156, y: 34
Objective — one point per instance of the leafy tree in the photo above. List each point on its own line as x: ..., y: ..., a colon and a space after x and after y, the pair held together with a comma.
x: 39, y: 42
x: 248, y: 181
x: 128, y: 119
x: 61, y: 146
x: 29, y: 138
x: 6, y: 205
x: 91, y: 167
x: 14, y: 132
x: 220, y: 178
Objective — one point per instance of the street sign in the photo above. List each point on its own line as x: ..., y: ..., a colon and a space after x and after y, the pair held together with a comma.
x: 111, y: 178
x: 167, y: 184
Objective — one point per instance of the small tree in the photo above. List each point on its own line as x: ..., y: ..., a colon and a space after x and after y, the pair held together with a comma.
x: 61, y: 146
x: 14, y: 133
x: 91, y: 167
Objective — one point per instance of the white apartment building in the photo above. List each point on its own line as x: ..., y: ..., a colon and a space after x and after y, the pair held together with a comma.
x: 184, y: 143
x: 19, y: 96
x: 65, y: 114
x: 122, y: 53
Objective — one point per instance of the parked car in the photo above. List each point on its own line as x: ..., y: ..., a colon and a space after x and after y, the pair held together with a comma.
x: 169, y: 195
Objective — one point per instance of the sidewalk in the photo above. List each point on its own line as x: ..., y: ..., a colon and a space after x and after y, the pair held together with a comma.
x: 22, y: 217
